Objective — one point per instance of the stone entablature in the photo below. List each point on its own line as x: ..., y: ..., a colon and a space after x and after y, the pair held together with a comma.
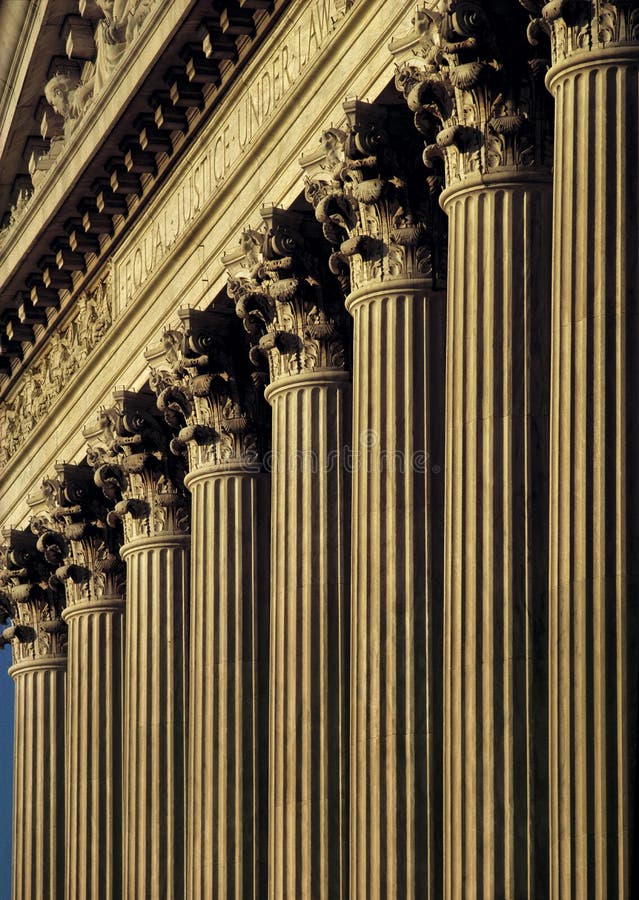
x: 191, y: 272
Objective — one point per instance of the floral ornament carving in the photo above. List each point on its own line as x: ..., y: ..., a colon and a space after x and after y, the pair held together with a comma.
x: 577, y: 26
x: 135, y: 469
x: 376, y: 205
x: 477, y: 91
x: 16, y: 214
x: 44, y: 381
x: 286, y: 298
x: 200, y: 391
x: 76, y: 540
x: 30, y: 600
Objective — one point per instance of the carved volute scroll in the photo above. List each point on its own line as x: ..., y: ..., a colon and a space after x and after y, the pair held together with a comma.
x: 135, y: 468
x: 476, y: 89
x: 575, y: 27
x: 203, y: 391
x: 377, y: 206
x: 76, y: 540
x: 31, y: 598
x: 286, y: 298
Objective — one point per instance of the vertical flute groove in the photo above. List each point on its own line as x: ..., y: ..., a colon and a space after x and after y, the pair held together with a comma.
x: 308, y: 681
x: 154, y: 716
x: 38, y: 805
x: 496, y: 540
x: 594, y: 513
x: 396, y: 603
x: 228, y: 686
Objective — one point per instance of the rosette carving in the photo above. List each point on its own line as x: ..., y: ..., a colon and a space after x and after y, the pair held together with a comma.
x: 76, y: 540
x: 286, y: 299
x: 135, y: 469
x: 476, y: 89
x: 375, y: 204
x: 586, y: 25
x: 30, y: 600
x: 202, y: 391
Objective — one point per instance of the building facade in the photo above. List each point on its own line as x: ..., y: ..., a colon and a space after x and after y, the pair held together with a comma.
x: 319, y: 356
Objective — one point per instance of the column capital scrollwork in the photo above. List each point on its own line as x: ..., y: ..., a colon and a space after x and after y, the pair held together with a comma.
x: 31, y: 599
x: 578, y: 26
x: 202, y: 391
x: 135, y: 468
x: 377, y: 206
x: 286, y: 298
x: 476, y: 89
x: 74, y: 537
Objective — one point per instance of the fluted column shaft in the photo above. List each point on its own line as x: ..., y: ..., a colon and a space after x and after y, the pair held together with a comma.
x: 398, y: 354
x: 308, y: 680
x: 38, y: 779
x: 93, y: 758
x: 155, y: 703
x: 594, y: 484
x: 228, y: 683
x: 495, y: 736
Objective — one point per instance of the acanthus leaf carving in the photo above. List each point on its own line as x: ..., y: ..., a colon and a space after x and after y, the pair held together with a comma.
x: 136, y: 470
x: 476, y: 90
x: 31, y: 599
x: 76, y: 538
x: 204, y: 393
x: 289, y: 305
x: 375, y: 204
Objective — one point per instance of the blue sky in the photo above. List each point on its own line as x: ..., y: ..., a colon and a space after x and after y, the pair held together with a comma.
x: 6, y: 772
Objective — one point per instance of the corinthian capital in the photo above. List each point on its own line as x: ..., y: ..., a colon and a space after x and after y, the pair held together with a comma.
x: 285, y: 298
x: 377, y: 206
x: 30, y: 599
x: 203, y: 391
x: 75, y: 539
x: 135, y: 468
x: 575, y: 26
x: 476, y: 88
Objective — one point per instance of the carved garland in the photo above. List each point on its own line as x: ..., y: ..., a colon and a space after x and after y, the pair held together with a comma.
x: 43, y: 382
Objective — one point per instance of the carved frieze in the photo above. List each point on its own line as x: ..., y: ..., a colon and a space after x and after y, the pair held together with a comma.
x: 31, y: 599
x: 43, y: 381
x: 590, y: 25
x: 377, y: 206
x: 76, y: 540
x: 476, y: 90
x: 286, y: 298
x: 136, y: 470
x: 203, y: 390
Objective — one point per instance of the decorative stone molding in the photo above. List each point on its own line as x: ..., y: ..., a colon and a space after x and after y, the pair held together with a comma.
x: 47, y: 377
x: 74, y: 537
x: 291, y: 311
x: 476, y: 90
x: 199, y: 391
x: 585, y: 26
x: 374, y: 202
x: 30, y: 599
x: 135, y: 468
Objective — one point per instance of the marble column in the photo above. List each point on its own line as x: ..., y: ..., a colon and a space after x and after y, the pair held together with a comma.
x: 594, y: 446
x: 137, y: 470
x: 296, y: 325
x: 37, y: 635
x: 203, y: 388
x: 75, y: 539
x: 481, y: 105
x: 371, y: 194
